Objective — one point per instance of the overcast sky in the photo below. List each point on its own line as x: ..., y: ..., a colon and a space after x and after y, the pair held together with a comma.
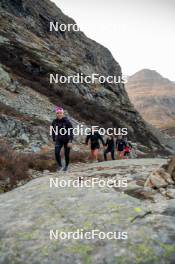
x: 139, y: 33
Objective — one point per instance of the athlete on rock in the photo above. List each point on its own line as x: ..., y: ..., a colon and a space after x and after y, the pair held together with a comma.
x: 94, y: 138
x: 120, y: 146
x: 110, y: 147
x: 64, y: 137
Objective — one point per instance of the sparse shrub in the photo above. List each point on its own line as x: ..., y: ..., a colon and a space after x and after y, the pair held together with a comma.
x: 41, y: 161
x: 46, y: 161
x: 13, y: 168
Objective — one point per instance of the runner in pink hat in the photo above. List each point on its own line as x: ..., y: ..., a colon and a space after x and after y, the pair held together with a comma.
x: 62, y: 139
x: 59, y: 109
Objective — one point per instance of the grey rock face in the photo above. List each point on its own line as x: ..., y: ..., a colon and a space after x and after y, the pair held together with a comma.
x: 24, y: 138
x: 20, y: 132
x: 30, y: 62
x: 4, y: 78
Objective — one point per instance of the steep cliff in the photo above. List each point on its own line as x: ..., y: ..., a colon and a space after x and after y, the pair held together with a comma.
x: 29, y: 52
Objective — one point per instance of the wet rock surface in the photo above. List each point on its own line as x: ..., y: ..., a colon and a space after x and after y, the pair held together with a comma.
x: 29, y: 212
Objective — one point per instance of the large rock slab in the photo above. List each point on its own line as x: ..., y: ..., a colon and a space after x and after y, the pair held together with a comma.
x: 29, y: 212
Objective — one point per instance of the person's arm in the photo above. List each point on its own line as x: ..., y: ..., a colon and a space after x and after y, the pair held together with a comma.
x: 101, y: 138
x: 106, y: 143
x: 53, y: 134
x: 87, y: 139
x: 125, y: 144
x: 117, y: 144
x: 70, y: 129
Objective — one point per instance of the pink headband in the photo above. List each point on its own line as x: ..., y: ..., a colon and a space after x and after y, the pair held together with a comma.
x: 59, y: 109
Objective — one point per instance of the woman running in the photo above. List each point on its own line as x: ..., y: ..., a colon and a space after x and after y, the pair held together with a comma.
x: 110, y: 147
x: 95, y: 145
x: 120, y: 146
x: 62, y: 122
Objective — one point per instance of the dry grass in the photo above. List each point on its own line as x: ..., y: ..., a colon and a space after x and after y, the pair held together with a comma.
x: 13, y: 168
x: 45, y: 160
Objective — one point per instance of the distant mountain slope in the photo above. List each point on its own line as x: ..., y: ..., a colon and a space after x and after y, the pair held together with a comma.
x: 154, y: 97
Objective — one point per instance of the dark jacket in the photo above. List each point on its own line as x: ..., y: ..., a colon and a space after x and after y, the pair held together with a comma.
x: 110, y: 143
x: 94, y: 138
x: 62, y: 123
x: 120, y: 144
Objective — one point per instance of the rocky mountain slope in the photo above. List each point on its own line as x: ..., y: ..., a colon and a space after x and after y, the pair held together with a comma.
x: 154, y: 97
x: 29, y: 53
x: 145, y: 214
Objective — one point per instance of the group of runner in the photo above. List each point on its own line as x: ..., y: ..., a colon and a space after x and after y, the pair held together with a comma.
x: 120, y: 144
x: 111, y: 144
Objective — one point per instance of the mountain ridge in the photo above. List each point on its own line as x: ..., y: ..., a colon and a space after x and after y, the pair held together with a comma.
x: 154, y: 97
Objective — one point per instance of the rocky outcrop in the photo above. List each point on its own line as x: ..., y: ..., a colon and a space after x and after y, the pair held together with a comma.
x: 170, y: 168
x: 29, y: 212
x: 162, y: 177
x: 29, y: 52
x: 25, y: 115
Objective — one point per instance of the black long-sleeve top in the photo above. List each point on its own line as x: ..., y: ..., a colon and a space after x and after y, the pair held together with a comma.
x: 62, y: 123
x: 95, y: 138
x: 110, y: 143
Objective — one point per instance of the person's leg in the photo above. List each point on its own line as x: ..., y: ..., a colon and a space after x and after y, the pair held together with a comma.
x: 112, y: 154
x: 57, y: 154
x: 94, y: 153
x: 66, y: 154
x: 121, y: 154
x: 118, y: 154
x: 126, y: 155
x: 105, y: 154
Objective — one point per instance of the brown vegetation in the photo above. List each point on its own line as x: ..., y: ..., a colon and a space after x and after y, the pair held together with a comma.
x: 13, y: 168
